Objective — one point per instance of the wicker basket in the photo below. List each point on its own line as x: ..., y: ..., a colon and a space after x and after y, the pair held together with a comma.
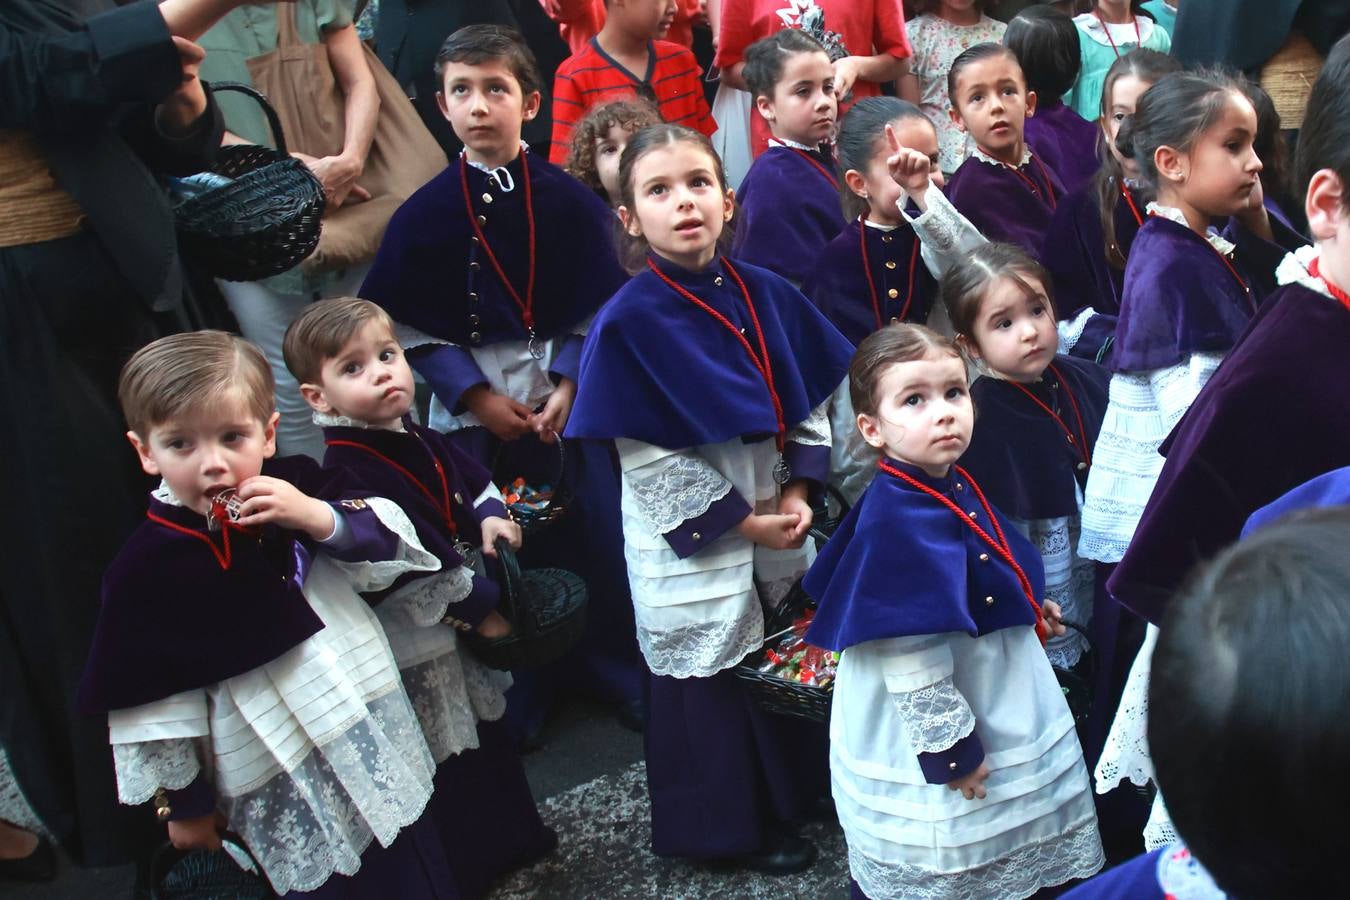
x: 206, y: 875
x: 262, y: 223
x: 780, y: 696
x: 1077, y: 684
x: 530, y: 519
x: 547, y: 612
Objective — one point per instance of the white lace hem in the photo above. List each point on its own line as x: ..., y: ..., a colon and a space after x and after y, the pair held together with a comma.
x: 14, y: 806
x: 1074, y: 853
x: 935, y: 716
x: 1126, y: 754
x: 703, y: 648
x: 677, y: 489
x: 1158, y: 830
x: 145, y: 767
x: 451, y: 694
x: 425, y: 601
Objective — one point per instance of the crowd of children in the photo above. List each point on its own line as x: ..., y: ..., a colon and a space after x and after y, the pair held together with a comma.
x: 983, y: 319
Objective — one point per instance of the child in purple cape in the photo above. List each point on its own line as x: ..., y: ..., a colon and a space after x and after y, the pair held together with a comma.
x: 353, y: 373
x: 1003, y: 188
x: 246, y: 683
x: 1045, y: 41
x: 789, y: 200
x: 493, y: 270
x: 712, y: 378
x: 1093, y: 228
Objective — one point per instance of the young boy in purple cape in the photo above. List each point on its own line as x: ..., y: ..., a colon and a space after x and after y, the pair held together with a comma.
x: 243, y: 678
x: 1045, y: 41
x: 493, y: 270
x: 789, y: 200
x: 1003, y: 188
x: 352, y: 371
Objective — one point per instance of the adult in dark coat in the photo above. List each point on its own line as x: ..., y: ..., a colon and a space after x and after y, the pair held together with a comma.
x: 93, y: 99
x: 1244, y: 34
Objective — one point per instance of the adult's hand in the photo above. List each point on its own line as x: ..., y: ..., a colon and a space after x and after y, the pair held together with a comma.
x: 192, y: 18
x: 181, y: 109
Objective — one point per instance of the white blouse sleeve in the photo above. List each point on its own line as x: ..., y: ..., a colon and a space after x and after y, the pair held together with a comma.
x: 918, y: 673
x: 1176, y: 387
x: 945, y: 234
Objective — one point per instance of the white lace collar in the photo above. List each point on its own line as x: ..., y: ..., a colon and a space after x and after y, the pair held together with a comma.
x: 326, y: 420
x: 784, y: 142
x: 1296, y: 268
x: 1122, y: 34
x: 501, y: 173
x: 983, y: 157
x: 164, y: 494
x: 1171, y: 213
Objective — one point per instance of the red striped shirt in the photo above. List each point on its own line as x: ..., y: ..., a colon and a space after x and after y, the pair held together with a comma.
x: 592, y: 77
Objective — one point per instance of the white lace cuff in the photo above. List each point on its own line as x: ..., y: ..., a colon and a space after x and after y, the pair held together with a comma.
x: 814, y: 430
x: 145, y: 767
x: 703, y: 648
x: 1176, y: 387
x: 424, y: 601
x: 1070, y: 330
x: 943, y: 231
x: 675, y: 489
x: 375, y: 575
x: 936, y: 716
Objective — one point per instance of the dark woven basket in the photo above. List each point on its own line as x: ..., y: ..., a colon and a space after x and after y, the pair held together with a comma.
x: 1076, y: 683
x: 780, y: 696
x: 265, y: 221
x: 206, y: 875
x: 547, y: 612
x: 532, y: 521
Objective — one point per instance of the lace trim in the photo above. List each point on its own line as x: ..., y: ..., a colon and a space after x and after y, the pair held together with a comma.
x: 1126, y: 754
x: 983, y: 157
x: 1074, y: 853
x: 450, y: 698
x: 682, y: 488
x: 814, y: 430
x: 164, y: 494
x: 424, y: 601
x: 1072, y: 329
x: 14, y: 806
x: 1293, y: 269
x: 1171, y: 213
x: 411, y: 556
x: 1158, y: 830
x: 328, y: 420
x: 146, y: 766
x: 935, y: 716
x: 704, y: 648
x: 784, y: 142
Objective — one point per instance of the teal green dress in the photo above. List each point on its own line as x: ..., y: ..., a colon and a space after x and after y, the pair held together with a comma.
x: 1085, y: 97
x: 1165, y: 15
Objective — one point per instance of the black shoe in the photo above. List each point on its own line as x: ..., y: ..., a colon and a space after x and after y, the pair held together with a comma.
x: 782, y: 854
x: 632, y: 714
x: 40, y: 865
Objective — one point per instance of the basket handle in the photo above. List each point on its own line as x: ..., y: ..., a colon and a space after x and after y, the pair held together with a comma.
x: 273, y: 120
x: 166, y: 854
x: 513, y: 606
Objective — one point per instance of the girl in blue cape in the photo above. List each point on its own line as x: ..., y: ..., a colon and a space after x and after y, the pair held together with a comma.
x: 712, y: 377
x: 955, y: 766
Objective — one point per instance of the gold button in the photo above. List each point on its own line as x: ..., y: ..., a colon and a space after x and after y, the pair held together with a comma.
x: 473, y: 297
x: 951, y: 767
x: 458, y: 497
x: 984, y: 557
x: 1069, y: 437
x: 893, y: 293
x: 482, y: 220
x: 886, y: 238
x: 697, y: 536
x: 487, y: 198
x: 473, y: 320
x: 960, y: 486
x: 890, y: 264
x: 475, y: 337
x: 492, y: 181
x: 973, y: 514
x: 894, y: 320
x: 988, y: 601
x: 1082, y: 466
x: 475, y: 265
x: 718, y: 281
x: 475, y: 237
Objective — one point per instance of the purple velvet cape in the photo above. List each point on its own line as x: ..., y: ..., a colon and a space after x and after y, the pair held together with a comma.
x: 1002, y: 206
x: 1065, y: 141
x: 1075, y: 254
x: 1019, y: 455
x: 431, y: 273
x: 656, y: 368
x: 1272, y: 417
x: 902, y: 564
x: 1329, y: 489
x: 837, y: 284
x: 414, y: 450
x: 787, y: 212
x: 172, y: 619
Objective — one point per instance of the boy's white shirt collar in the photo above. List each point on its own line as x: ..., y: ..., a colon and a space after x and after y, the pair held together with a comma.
x: 164, y: 494
x: 877, y: 225
x: 1295, y: 269
x: 1217, y: 241
x: 328, y: 420
x: 977, y: 153
x: 501, y: 173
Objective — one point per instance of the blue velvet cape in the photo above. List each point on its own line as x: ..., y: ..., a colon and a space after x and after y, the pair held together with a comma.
x: 903, y: 564
x: 787, y: 212
x: 837, y: 284
x: 431, y: 273
x: 657, y: 369
x: 1330, y: 489
x: 1274, y: 415
x: 1019, y: 455
x: 1003, y: 206
x: 1064, y: 141
x: 172, y: 619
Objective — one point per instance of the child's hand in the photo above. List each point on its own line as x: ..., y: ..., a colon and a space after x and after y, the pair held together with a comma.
x: 200, y: 833
x: 493, y: 626
x: 550, y: 421
x: 908, y: 167
x: 793, y: 502
x: 1253, y: 216
x: 507, y: 419
x: 971, y: 786
x: 1053, y: 617
x: 266, y: 499
x: 777, y: 532
x: 495, y: 527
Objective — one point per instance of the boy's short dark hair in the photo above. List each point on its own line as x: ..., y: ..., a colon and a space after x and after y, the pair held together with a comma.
x: 971, y: 55
x: 323, y: 329
x: 474, y: 45
x: 1045, y: 42
x: 766, y: 58
x: 183, y: 373
x: 1247, y: 721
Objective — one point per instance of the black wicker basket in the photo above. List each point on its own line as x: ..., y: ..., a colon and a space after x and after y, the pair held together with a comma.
x: 547, y: 612
x: 780, y: 696
x: 206, y: 875
x: 262, y: 223
x: 1076, y: 683
x: 505, y: 470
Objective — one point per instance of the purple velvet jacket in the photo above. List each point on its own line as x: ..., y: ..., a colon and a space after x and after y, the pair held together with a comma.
x: 1065, y: 141
x: 1007, y: 204
x: 788, y: 210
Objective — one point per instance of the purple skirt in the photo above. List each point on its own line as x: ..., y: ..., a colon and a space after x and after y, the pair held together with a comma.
x: 413, y: 867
